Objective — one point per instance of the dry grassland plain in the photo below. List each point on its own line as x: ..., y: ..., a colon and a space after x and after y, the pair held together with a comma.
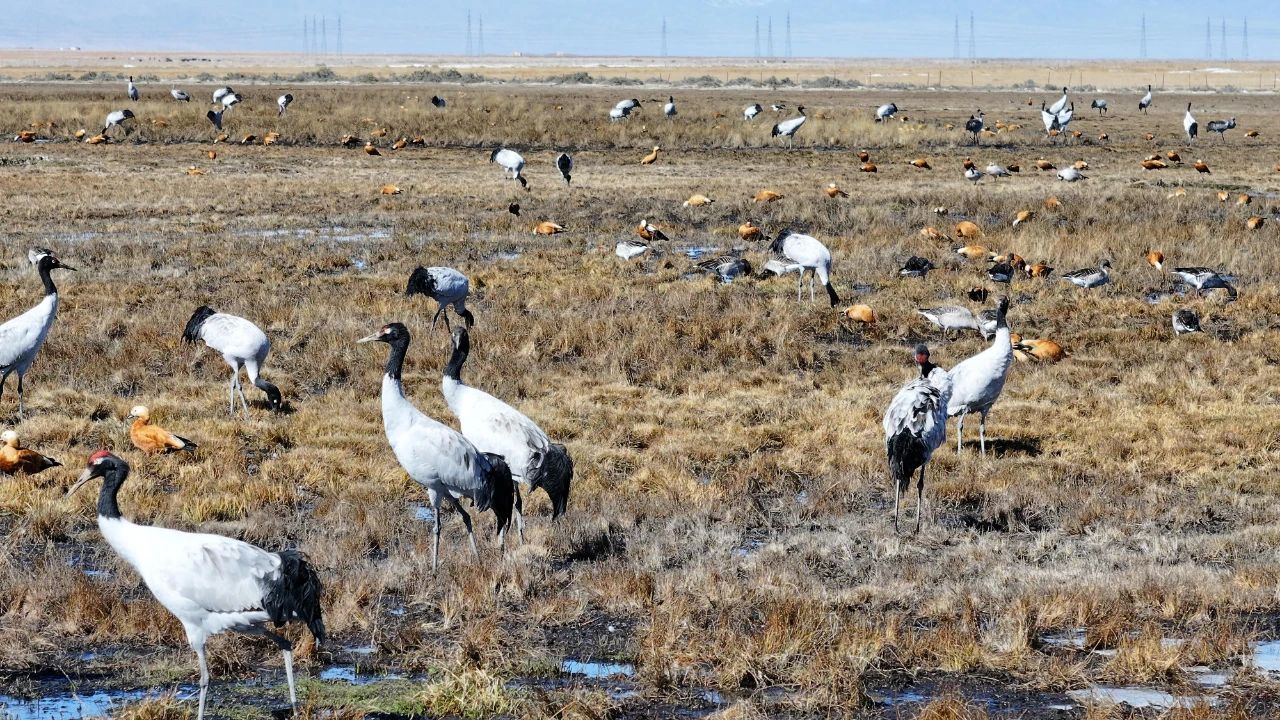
x: 729, y: 539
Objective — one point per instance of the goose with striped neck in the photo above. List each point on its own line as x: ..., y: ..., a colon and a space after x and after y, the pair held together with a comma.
x: 495, y: 427
x: 22, y: 337
x: 976, y: 383
x: 436, y: 456
x: 211, y: 583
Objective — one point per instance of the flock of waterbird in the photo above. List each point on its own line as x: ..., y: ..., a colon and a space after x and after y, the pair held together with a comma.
x: 214, y: 584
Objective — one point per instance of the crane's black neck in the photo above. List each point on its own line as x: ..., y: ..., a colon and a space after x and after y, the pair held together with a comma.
x: 112, y: 479
x: 395, y: 361
x: 45, y: 269
x: 460, y: 350
x: 926, y: 367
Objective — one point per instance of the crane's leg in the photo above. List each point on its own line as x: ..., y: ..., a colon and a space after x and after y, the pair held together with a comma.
x: 519, y: 512
x: 204, y: 679
x: 919, y: 498
x: 800, y: 286
x: 982, y: 432
x: 897, y: 500
x: 231, y: 394
x: 960, y: 433
x: 436, y: 317
x: 240, y: 389
x: 466, y: 520
x: 435, y: 537
x: 22, y: 408
x: 286, y: 648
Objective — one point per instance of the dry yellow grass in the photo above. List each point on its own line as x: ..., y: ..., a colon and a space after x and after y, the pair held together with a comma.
x: 729, y: 512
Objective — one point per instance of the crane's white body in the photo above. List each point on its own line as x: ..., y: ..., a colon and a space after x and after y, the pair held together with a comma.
x: 22, y: 337
x: 1065, y: 115
x: 1189, y: 125
x: 973, y: 175
x: 1061, y: 104
x: 670, y: 108
x: 133, y: 90
x: 1203, y: 278
x: 805, y: 253
x: 751, y: 111
x: 242, y: 344
x: 229, y: 100
x: 976, y: 384
x: 510, y: 161
x: 1100, y: 105
x: 283, y: 102
x: 997, y: 171
x: 180, y: 95
x: 618, y: 114
x: 884, y: 112
x: 1071, y: 174
x: 220, y: 93
x: 789, y: 128
x: 449, y: 287
x: 115, y: 118
x: 1145, y: 102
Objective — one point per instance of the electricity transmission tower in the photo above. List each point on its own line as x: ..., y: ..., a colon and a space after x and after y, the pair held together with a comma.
x: 1142, y: 48
x: 788, y: 34
x: 955, y: 43
x: 1244, y: 43
x: 973, y: 49
x: 664, y: 37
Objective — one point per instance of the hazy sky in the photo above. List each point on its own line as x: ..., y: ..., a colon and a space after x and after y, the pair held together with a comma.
x: 844, y: 28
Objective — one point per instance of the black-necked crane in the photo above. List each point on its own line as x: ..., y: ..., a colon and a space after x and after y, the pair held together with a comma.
x: 564, y: 163
x: 1186, y: 321
x: 628, y: 105
x: 973, y: 175
x: 1061, y: 103
x: 1100, y: 105
x: 1221, y: 127
x: 1203, y: 278
x: 230, y: 100
x: 242, y: 345
x: 210, y: 583
x: 221, y: 93
x: 751, y: 111
x: 974, y: 125
x: 618, y: 113
x: 804, y: 253
x: 998, y: 171
x: 915, y: 425
x: 436, y: 456
x: 669, y: 109
x: 116, y: 118
x: 1088, y: 278
x: 627, y: 249
x: 1189, y: 125
x: 22, y: 337
x: 1070, y: 174
x: 447, y: 287
x: 788, y: 128
x: 976, y: 383
x: 511, y: 162
x: 153, y: 439
x: 15, y: 459
x: 884, y: 112
x: 179, y: 95
x: 133, y: 90
x: 1145, y: 102
x: 283, y: 102
x: 495, y: 427
x: 439, y: 102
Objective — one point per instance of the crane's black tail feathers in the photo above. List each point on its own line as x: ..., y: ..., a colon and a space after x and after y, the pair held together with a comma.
x: 420, y: 282
x: 553, y: 473
x: 192, y: 331
x: 906, y: 454
x: 498, y: 493
x: 294, y: 594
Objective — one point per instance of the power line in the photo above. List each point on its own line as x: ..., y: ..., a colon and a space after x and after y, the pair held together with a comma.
x: 339, y: 36
x: 664, y: 37
x: 315, y: 39
x: 955, y: 46
x: 788, y: 33
x: 757, y: 36
x: 973, y: 48
x: 469, y: 48
x: 1244, y: 44
x: 770, y: 53
x: 1208, y: 43
x: 1142, y: 48
x: 1223, y: 45
x: 306, y: 41
x: 480, y: 36
x: 324, y: 37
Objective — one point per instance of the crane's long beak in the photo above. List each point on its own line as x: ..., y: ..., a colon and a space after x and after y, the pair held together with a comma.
x: 85, y: 477
x: 370, y: 338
